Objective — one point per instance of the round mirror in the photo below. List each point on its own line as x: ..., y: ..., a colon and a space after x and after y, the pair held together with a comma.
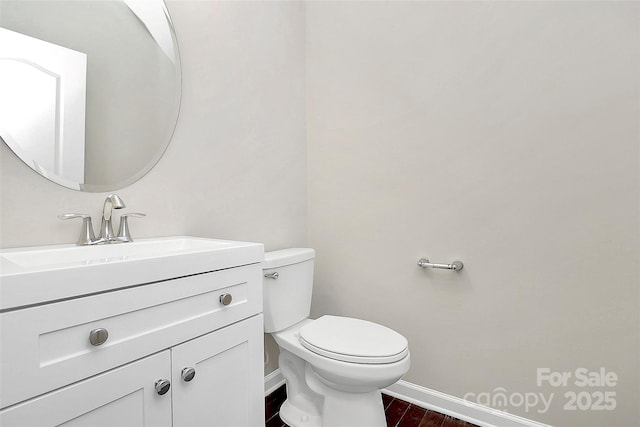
x: 90, y: 89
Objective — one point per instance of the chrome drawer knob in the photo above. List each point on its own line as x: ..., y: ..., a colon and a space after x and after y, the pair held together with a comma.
x: 98, y: 336
x: 188, y: 374
x: 225, y: 299
x: 162, y: 386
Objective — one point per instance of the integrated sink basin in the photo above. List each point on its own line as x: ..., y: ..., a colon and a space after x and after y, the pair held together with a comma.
x: 46, y: 273
x: 64, y: 256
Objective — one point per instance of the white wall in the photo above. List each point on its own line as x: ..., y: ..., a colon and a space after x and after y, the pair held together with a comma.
x: 505, y: 134
x: 236, y: 168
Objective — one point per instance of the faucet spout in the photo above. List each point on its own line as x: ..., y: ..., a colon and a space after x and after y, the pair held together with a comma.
x: 113, y: 201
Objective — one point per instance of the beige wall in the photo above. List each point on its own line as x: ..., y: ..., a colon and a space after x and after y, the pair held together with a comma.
x: 505, y: 134
x: 236, y: 167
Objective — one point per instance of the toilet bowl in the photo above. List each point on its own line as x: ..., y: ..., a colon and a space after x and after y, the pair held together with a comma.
x: 334, y: 366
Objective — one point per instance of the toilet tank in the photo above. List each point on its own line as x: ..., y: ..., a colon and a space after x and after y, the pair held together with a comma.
x: 287, y: 299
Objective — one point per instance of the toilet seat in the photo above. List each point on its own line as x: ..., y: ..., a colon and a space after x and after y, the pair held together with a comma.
x: 353, y: 340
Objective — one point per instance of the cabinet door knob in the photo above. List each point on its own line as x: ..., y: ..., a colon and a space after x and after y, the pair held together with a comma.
x: 225, y: 299
x: 162, y: 386
x: 98, y: 336
x: 188, y: 374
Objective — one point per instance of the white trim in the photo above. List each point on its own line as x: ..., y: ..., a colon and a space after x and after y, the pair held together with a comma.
x: 456, y: 407
x: 272, y: 382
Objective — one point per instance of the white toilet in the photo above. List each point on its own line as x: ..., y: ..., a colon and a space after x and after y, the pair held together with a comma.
x: 334, y: 367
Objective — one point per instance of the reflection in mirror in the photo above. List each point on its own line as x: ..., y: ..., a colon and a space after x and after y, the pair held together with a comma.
x: 90, y: 89
x: 43, y: 83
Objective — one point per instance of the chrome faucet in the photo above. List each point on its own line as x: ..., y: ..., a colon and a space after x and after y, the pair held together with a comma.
x: 113, y: 201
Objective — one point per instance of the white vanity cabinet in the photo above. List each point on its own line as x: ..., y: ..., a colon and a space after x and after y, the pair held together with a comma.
x: 202, y: 334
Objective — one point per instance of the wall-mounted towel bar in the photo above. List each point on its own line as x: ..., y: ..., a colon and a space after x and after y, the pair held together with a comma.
x: 456, y: 265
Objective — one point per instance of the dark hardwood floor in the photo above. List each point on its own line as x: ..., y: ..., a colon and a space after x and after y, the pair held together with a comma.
x: 399, y: 413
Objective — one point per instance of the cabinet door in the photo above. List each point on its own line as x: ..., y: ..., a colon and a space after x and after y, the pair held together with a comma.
x: 228, y: 387
x: 123, y: 397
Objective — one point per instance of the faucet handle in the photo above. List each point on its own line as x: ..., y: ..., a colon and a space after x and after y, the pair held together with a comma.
x: 123, y: 232
x: 86, y: 234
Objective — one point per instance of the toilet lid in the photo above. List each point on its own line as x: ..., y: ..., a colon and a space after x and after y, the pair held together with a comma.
x: 353, y: 340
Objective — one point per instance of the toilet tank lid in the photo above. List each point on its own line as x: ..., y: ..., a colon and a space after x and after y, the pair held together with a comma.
x: 289, y: 256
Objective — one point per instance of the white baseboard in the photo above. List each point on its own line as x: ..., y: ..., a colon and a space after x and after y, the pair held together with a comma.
x: 272, y: 382
x: 456, y: 407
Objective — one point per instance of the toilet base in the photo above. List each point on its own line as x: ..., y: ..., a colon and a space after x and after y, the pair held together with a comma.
x: 311, y: 402
x: 294, y: 417
x: 344, y: 414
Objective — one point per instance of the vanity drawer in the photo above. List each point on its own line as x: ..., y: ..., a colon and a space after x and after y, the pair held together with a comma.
x: 48, y: 346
